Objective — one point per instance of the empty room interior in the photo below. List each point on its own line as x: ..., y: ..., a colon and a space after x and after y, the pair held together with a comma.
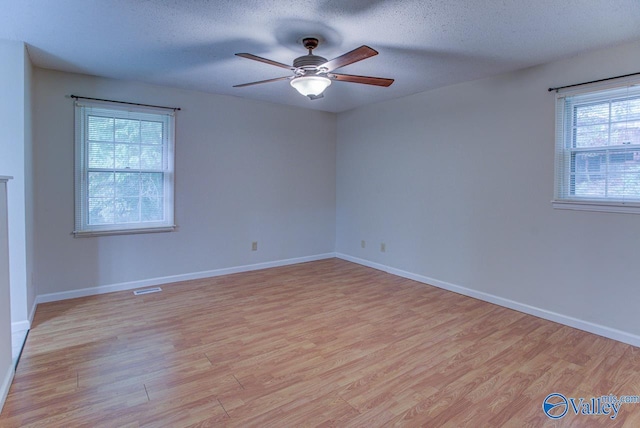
x: 319, y: 213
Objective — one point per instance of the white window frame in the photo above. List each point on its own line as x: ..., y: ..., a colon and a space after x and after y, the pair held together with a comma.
x: 565, y: 148
x: 83, y: 226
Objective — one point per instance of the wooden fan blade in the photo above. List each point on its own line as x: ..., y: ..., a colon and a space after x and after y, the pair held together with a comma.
x: 358, y: 54
x: 262, y: 81
x: 367, y: 80
x: 265, y: 60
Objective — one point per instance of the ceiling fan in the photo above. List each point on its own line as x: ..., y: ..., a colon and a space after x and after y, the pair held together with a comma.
x: 312, y: 74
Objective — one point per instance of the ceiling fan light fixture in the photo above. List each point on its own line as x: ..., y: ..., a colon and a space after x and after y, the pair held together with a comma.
x: 310, y: 85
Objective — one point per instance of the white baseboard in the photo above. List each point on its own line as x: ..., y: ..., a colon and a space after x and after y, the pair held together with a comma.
x: 25, y: 325
x: 6, y: 384
x: 52, y: 297
x: 611, y: 333
x: 19, y: 326
x: 19, y: 330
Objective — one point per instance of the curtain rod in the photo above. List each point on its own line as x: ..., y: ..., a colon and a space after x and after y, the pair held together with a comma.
x: 593, y: 81
x: 124, y: 102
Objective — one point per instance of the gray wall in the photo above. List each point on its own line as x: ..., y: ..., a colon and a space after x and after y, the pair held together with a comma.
x: 245, y: 171
x: 458, y: 182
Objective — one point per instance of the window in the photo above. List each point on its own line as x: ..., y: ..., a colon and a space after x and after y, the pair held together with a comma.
x: 598, y: 150
x: 124, y: 170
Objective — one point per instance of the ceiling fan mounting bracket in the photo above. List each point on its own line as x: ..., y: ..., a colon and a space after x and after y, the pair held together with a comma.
x: 310, y: 43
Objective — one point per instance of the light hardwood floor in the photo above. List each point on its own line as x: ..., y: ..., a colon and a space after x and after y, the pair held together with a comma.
x: 326, y: 343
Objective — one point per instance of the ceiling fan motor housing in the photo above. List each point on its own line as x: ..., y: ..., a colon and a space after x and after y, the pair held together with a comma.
x: 310, y: 62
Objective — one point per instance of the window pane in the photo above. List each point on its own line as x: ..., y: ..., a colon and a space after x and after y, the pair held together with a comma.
x: 127, y: 156
x: 625, y: 133
x: 127, y: 210
x: 586, y: 186
x: 591, y: 114
x: 624, y: 170
x: 127, y: 131
x: 152, y: 209
x: 127, y: 184
x: 101, y: 211
x: 151, y: 157
x: 152, y: 185
x: 589, y: 174
x: 100, y: 184
x: 624, y: 186
x: 100, y: 128
x: 628, y: 109
x: 593, y: 163
x: 592, y: 136
x: 101, y: 155
x: 151, y: 132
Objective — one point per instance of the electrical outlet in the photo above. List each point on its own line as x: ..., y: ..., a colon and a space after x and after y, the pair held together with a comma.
x: 363, y: 244
x: 254, y: 246
x: 383, y: 247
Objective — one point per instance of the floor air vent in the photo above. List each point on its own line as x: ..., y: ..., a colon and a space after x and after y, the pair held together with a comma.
x: 147, y: 291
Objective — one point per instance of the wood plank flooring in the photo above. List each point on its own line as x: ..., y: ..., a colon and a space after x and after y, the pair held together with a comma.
x: 326, y: 343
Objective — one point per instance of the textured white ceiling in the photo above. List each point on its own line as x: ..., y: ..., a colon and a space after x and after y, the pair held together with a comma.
x: 423, y: 44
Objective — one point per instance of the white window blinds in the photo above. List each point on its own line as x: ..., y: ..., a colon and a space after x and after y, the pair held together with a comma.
x: 124, y: 169
x: 598, y: 149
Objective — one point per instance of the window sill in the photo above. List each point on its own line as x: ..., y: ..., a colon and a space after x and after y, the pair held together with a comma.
x: 93, y: 233
x: 609, y: 207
